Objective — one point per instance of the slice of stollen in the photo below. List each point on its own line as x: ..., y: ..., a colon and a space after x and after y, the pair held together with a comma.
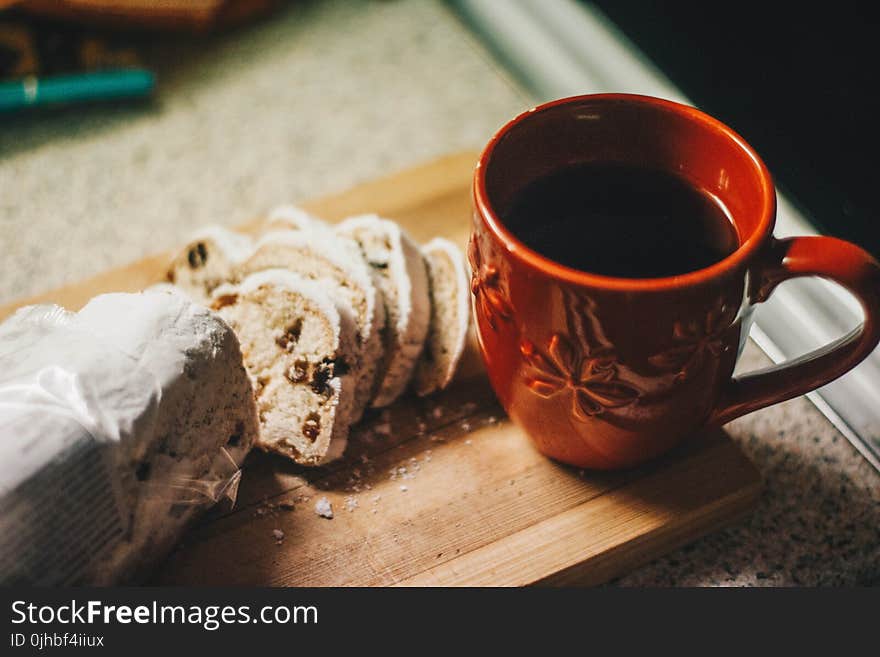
x: 337, y: 262
x: 207, y: 261
x: 400, y: 273
x: 450, y: 316
x: 298, y: 344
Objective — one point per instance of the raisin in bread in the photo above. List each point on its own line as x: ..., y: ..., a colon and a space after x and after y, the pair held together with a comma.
x: 319, y: 254
x: 118, y: 425
x: 450, y: 316
x: 208, y: 260
x: 400, y: 274
x: 299, y: 343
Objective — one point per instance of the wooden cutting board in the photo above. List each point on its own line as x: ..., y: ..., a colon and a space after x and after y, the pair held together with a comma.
x: 445, y: 490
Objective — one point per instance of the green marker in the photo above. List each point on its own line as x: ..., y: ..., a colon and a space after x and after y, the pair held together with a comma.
x: 81, y: 87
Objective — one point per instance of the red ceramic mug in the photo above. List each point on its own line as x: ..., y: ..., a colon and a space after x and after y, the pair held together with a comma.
x: 607, y: 372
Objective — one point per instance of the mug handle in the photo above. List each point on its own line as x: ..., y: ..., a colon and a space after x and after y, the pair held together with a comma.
x: 830, y: 258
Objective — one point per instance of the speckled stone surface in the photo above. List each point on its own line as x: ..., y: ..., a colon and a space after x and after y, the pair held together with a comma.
x: 817, y: 522
x: 327, y: 95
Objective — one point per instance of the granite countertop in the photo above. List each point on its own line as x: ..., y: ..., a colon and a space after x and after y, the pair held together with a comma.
x: 326, y: 95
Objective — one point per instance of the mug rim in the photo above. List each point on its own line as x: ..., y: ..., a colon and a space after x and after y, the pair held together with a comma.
x: 519, y: 250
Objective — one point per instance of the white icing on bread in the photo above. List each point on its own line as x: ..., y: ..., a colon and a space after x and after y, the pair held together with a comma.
x: 291, y: 217
x: 450, y: 316
x: 399, y: 272
x: 208, y: 260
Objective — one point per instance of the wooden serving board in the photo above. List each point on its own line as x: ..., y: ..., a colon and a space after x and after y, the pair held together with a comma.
x: 445, y: 490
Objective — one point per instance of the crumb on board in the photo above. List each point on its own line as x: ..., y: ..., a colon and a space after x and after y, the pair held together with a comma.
x: 404, y: 488
x: 351, y: 503
x: 403, y: 472
x: 323, y: 508
x: 278, y: 535
x: 267, y: 509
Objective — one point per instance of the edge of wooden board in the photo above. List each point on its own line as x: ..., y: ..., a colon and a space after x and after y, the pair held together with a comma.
x: 397, y: 192
x: 598, y: 540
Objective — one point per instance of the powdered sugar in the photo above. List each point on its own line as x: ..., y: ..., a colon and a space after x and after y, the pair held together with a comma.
x: 323, y: 508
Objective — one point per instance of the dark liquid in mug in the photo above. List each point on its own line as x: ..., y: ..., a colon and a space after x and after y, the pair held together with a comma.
x: 622, y: 220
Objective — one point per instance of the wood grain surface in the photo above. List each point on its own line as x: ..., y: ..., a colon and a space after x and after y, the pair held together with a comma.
x: 446, y: 490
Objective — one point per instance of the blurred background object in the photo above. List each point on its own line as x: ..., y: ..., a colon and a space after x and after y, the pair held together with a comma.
x: 31, y: 46
x: 55, y: 52
x: 176, y: 15
x: 45, y: 62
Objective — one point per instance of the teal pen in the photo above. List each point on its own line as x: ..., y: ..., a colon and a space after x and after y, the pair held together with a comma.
x: 79, y: 87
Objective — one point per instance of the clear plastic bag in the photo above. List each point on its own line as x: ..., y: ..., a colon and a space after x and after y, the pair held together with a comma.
x: 75, y: 413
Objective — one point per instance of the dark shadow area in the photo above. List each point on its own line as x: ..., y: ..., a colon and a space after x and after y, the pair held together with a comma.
x: 796, y: 81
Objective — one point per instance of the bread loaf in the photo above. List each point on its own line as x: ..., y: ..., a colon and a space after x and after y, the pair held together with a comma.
x: 118, y: 425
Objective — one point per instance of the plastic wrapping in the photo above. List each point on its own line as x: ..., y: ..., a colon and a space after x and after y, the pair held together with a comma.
x: 87, y: 494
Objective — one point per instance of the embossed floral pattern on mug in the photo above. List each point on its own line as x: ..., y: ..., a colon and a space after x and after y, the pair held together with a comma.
x: 489, y: 293
x: 694, y: 340
x: 590, y: 379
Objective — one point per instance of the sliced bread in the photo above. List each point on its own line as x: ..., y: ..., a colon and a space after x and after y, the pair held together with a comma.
x: 400, y: 273
x: 450, y: 316
x: 337, y: 262
x: 299, y: 343
x: 207, y: 261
